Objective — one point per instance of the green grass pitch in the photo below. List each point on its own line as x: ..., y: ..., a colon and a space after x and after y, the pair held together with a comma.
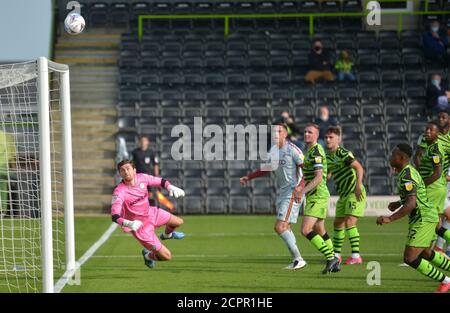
x: 240, y: 254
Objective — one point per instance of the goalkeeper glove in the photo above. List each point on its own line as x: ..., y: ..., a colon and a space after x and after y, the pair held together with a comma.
x: 175, y: 191
x: 134, y: 225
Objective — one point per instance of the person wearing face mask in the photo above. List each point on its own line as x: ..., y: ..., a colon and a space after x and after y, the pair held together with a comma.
x: 320, y: 64
x: 437, y: 96
x: 435, y: 44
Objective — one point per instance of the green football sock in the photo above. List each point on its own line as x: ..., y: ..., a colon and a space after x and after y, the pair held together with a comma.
x: 338, y: 239
x: 320, y: 245
x: 444, y: 233
x: 328, y: 241
x: 440, y: 261
x: 353, y: 236
x: 426, y: 268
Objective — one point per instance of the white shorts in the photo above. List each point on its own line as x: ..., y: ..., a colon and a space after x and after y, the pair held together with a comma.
x: 287, y: 208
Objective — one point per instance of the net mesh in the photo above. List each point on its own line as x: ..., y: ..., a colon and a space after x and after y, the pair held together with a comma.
x: 20, y: 224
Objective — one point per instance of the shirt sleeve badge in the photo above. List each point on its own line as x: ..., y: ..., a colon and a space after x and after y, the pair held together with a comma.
x: 409, y: 186
x: 436, y: 159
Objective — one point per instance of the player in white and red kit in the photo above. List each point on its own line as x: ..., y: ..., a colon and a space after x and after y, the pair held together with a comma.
x: 286, y: 161
x: 131, y: 209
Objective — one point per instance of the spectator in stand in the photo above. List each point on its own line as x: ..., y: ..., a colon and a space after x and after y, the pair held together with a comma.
x: 437, y: 96
x: 435, y: 42
x: 294, y: 134
x: 324, y: 120
x: 344, y: 67
x: 320, y: 64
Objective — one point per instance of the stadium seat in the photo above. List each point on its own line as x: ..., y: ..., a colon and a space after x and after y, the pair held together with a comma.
x: 349, y: 114
x: 395, y: 113
x: 374, y: 132
x: 98, y: 14
x: 251, y: 76
x: 391, y: 79
x: 216, y: 205
x: 239, y: 205
x: 126, y: 124
x: 389, y: 60
x: 397, y: 131
x: 193, y: 204
x: 120, y: 14
x: 237, y: 116
x: 262, y: 205
x: 379, y: 185
x: 309, y: 6
x: 351, y: 6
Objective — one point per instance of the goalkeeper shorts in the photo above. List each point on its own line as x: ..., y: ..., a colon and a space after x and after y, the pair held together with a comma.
x: 146, y: 234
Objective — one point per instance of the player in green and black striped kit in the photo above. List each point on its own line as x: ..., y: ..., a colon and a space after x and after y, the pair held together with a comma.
x: 430, y: 167
x: 347, y: 174
x: 317, y: 197
x: 423, y: 219
x: 438, y: 195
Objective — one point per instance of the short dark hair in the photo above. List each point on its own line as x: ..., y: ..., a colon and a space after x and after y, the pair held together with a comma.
x: 313, y: 125
x: 284, y: 125
x: 334, y: 130
x: 446, y: 111
x: 125, y: 161
x: 435, y: 123
x: 141, y: 136
x: 405, y: 148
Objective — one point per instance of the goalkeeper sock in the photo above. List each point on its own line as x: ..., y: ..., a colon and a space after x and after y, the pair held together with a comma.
x: 426, y: 268
x: 152, y: 256
x: 444, y: 233
x: 353, y: 236
x: 440, y: 261
x: 328, y: 241
x: 289, y: 239
x: 338, y: 240
x: 318, y: 242
x: 168, y: 232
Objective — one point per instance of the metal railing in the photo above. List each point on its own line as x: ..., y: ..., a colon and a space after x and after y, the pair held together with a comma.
x: 310, y: 16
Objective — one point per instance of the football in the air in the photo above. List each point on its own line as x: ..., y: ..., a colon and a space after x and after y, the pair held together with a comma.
x: 74, y: 23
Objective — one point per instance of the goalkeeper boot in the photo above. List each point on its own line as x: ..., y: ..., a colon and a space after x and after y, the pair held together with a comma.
x: 332, y: 265
x: 296, y: 265
x: 148, y: 263
x: 172, y: 235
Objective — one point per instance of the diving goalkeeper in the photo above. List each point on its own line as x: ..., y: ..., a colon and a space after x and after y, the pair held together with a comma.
x: 131, y: 210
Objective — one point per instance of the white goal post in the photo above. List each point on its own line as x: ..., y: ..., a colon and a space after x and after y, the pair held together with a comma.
x: 35, y: 115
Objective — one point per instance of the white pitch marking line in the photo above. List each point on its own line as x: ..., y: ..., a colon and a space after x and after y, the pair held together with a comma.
x: 86, y: 256
x: 229, y: 255
x: 259, y: 234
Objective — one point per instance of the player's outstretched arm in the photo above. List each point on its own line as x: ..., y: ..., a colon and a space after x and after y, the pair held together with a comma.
x: 175, y: 191
x: 245, y: 179
x: 153, y: 181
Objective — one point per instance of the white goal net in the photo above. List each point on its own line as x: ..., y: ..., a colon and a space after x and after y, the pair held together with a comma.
x: 36, y: 199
